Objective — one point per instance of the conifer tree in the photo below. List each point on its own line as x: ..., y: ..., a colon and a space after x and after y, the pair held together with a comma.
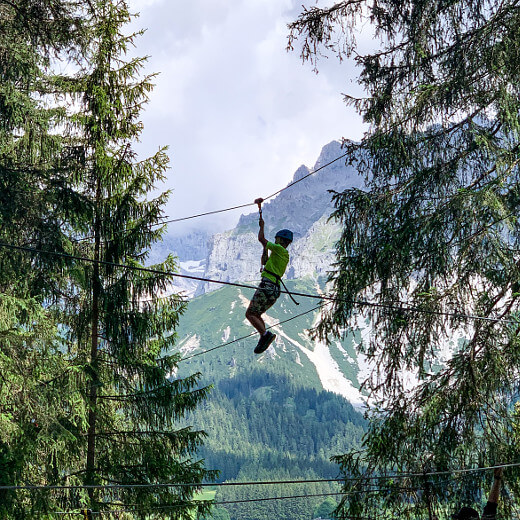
x: 432, y: 240
x: 35, y: 196
x: 84, y: 394
x: 115, y: 318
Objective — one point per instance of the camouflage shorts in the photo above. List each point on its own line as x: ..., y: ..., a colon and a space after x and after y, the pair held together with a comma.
x: 264, y: 297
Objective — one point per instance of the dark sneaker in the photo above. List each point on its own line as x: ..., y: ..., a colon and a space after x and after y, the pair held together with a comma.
x: 264, y: 342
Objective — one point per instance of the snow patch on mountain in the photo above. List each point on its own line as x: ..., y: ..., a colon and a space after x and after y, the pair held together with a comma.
x: 330, y: 374
x: 185, y: 286
x: 226, y: 333
x: 193, y: 266
x: 190, y: 344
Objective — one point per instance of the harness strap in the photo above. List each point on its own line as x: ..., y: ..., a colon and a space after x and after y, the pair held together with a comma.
x: 258, y: 202
x: 279, y: 280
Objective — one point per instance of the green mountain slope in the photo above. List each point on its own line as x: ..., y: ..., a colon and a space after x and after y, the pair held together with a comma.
x: 268, y: 417
x: 218, y: 317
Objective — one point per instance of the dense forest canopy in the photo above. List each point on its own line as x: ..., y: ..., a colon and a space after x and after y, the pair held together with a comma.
x: 434, y: 239
x: 84, y: 395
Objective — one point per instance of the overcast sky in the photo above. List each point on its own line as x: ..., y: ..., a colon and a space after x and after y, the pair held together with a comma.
x: 239, y: 113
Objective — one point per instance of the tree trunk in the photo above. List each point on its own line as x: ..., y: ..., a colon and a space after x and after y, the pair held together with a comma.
x: 94, y: 382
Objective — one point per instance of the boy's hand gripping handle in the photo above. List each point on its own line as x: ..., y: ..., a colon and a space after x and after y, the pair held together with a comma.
x: 265, y: 255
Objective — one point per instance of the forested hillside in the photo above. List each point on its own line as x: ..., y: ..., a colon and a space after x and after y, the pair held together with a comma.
x: 261, y: 420
x: 268, y: 417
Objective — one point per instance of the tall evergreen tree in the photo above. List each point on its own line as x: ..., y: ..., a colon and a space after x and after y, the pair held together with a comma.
x: 84, y: 394
x: 432, y: 240
x: 35, y: 197
x: 115, y: 318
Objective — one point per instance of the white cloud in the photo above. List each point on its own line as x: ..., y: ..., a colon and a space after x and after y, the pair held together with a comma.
x: 239, y: 113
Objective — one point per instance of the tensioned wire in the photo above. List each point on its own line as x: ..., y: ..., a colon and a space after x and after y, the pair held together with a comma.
x: 399, y: 306
x: 253, y: 333
x: 204, y: 352
x: 258, y: 483
x: 166, y: 385
x: 365, y: 492
x: 240, y: 206
x: 327, y: 299
x: 239, y: 339
x: 330, y: 299
x: 148, y: 392
x: 281, y: 322
x: 152, y: 509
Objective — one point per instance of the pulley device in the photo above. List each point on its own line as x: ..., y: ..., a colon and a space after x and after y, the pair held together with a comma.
x: 259, y: 203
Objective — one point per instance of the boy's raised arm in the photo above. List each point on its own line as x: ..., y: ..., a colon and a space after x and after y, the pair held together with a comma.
x: 261, y: 236
x: 494, y: 494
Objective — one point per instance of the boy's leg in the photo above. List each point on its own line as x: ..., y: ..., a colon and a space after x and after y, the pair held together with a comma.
x: 266, y: 337
x: 257, y: 306
x: 256, y: 320
x: 262, y: 300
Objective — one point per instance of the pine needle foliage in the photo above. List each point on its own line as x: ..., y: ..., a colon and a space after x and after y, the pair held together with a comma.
x: 114, y: 318
x: 433, y: 237
x: 35, y: 199
x: 87, y: 394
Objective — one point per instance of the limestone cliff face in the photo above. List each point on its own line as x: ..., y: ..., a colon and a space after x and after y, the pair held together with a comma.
x: 231, y: 258
x: 236, y: 257
x: 314, y: 253
x: 304, y: 208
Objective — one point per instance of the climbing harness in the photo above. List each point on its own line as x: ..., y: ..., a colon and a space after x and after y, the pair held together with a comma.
x: 284, y: 233
x: 279, y: 280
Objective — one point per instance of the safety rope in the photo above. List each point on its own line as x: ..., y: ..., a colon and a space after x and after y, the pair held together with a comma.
x: 397, y: 305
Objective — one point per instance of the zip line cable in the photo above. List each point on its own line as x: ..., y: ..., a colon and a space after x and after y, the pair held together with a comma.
x: 159, y: 486
x: 305, y: 176
x: 403, y: 306
x: 253, y: 333
x: 253, y: 203
x: 322, y: 297
x: 216, y: 503
x: 366, y: 492
x: 148, y: 392
x: 214, y: 212
x: 230, y: 502
x: 240, y: 206
x: 255, y: 483
x: 264, y: 199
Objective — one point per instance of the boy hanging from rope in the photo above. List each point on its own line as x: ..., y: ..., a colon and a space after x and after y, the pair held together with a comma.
x: 269, y: 289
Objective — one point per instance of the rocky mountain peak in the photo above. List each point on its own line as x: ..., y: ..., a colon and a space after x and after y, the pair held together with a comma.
x: 301, y: 172
x: 304, y: 208
x: 302, y: 204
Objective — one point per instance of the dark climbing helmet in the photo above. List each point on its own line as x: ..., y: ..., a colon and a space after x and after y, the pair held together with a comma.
x: 285, y: 233
x: 466, y: 513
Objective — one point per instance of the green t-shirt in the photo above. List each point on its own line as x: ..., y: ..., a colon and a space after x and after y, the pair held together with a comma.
x: 277, y: 262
